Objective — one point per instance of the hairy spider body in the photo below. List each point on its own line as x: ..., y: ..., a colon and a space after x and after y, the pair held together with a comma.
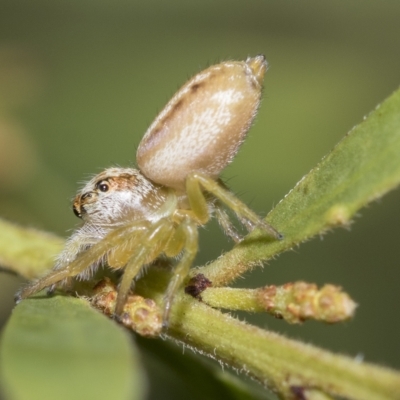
x: 131, y: 217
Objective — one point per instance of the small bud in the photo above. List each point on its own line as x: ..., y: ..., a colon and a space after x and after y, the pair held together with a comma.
x: 338, y: 215
x: 293, y: 302
x: 296, y: 302
x: 139, y: 314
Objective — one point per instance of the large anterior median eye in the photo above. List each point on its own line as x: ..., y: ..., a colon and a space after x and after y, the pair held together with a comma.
x: 103, y: 186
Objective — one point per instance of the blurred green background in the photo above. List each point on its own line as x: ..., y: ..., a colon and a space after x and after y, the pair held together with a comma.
x: 80, y: 81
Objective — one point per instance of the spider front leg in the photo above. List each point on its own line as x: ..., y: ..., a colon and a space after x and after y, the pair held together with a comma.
x: 82, y: 262
x: 197, y: 181
x: 82, y: 239
x: 150, y: 245
x: 165, y: 237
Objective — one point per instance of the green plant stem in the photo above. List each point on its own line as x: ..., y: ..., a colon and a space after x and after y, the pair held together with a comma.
x: 27, y: 252
x: 233, y: 299
x: 294, y: 302
x: 277, y: 362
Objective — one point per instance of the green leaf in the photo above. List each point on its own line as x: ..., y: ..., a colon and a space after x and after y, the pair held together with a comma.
x: 361, y: 168
x: 61, y: 348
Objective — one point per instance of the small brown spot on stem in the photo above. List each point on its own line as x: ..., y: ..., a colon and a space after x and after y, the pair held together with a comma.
x: 298, y: 392
x: 197, y: 285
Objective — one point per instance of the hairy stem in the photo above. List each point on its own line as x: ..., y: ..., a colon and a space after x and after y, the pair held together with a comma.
x: 279, y: 363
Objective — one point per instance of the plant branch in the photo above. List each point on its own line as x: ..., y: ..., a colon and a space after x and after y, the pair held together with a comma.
x: 27, y: 252
x: 294, y: 302
x: 281, y: 364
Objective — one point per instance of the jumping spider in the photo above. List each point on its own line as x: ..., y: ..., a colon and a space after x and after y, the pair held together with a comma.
x: 131, y: 217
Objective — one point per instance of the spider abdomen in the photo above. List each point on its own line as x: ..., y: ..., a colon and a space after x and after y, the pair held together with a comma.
x: 203, y: 125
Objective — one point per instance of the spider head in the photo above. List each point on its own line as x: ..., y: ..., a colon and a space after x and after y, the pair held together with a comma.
x: 88, y: 200
x: 116, y: 195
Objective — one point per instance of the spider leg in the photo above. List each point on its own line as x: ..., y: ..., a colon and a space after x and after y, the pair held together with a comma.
x: 50, y: 279
x: 226, y: 224
x: 82, y: 239
x: 187, y: 235
x: 197, y: 180
x: 151, y: 245
x: 82, y: 261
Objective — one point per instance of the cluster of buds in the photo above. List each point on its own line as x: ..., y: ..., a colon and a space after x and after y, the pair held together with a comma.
x: 139, y: 314
x: 294, y: 302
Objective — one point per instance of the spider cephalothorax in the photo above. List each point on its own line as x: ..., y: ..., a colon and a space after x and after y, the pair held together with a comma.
x: 131, y: 217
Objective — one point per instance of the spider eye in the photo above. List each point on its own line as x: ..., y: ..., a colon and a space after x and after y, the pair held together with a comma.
x: 103, y: 186
x: 76, y: 211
